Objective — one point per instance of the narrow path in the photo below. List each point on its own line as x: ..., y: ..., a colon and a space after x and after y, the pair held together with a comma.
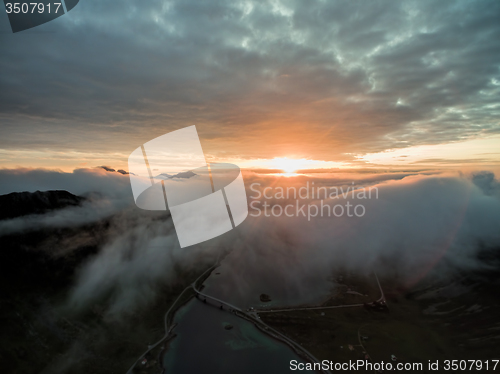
x: 382, y: 296
x: 367, y: 355
x: 217, y: 300
x: 167, y: 332
x: 167, y: 329
x: 308, y: 308
x: 253, y: 317
x: 380, y: 299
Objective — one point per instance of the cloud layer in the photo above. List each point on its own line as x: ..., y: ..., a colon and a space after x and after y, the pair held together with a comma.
x: 323, y: 80
x: 418, y: 221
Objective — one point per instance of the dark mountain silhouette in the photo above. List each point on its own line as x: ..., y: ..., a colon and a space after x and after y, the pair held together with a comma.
x: 121, y: 171
x: 18, y: 204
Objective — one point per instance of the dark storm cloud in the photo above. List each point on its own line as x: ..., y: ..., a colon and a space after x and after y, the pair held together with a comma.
x: 363, y: 77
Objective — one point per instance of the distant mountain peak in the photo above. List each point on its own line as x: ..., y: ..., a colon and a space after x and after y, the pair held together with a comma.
x: 184, y: 174
x: 121, y: 171
x: 164, y: 176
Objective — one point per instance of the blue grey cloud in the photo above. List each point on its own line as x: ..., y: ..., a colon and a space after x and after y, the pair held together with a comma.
x: 361, y: 77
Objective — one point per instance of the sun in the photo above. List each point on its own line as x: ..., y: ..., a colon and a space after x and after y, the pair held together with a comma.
x: 288, y: 165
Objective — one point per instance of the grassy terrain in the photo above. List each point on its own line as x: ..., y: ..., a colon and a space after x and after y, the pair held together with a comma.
x: 407, y: 330
x: 39, y: 337
x: 41, y: 334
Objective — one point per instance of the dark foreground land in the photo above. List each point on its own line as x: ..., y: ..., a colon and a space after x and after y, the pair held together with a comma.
x: 41, y: 331
x: 455, y: 320
x: 436, y: 318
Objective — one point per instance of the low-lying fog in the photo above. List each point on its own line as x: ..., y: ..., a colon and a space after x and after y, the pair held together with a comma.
x: 411, y: 222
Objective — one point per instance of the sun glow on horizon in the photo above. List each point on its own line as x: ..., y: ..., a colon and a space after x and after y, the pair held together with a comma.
x: 289, y: 165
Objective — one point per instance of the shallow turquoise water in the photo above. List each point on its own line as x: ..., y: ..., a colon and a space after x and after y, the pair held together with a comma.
x: 203, y: 345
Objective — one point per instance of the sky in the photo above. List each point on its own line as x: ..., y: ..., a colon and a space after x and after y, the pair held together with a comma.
x: 329, y: 84
x: 401, y: 95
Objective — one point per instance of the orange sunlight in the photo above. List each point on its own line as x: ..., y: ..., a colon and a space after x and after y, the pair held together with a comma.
x: 288, y: 165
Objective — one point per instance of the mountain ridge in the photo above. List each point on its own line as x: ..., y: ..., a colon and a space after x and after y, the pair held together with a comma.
x: 18, y: 204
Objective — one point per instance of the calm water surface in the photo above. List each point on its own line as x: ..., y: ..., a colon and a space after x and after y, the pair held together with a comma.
x: 203, y: 345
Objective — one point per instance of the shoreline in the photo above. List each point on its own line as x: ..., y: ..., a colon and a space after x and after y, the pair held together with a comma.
x: 197, y: 286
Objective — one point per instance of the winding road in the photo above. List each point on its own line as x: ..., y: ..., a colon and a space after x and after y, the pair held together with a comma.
x: 167, y: 329
x: 251, y: 316
x: 254, y: 318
